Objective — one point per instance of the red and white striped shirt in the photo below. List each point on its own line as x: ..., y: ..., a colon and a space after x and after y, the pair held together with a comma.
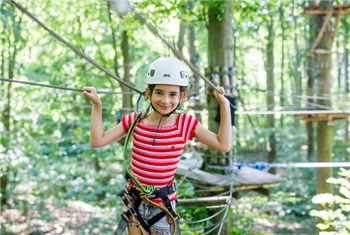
x: 155, y: 164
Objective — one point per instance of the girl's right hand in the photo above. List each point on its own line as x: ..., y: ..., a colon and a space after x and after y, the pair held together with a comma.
x: 91, y: 93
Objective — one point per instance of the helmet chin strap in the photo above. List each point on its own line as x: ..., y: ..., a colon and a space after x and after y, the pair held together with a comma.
x: 160, y: 120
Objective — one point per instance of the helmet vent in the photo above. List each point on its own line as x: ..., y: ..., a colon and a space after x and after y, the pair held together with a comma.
x: 151, y: 73
x: 183, y: 74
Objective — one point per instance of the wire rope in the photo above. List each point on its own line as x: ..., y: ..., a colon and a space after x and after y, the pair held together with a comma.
x: 228, y: 203
x: 76, y: 50
x: 58, y: 87
x: 207, y: 218
x: 183, y: 178
x: 200, y: 228
x: 264, y: 165
x: 271, y: 93
x: 214, y: 227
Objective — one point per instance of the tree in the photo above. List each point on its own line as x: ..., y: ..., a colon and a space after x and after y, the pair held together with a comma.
x: 310, y: 72
x: 270, y: 80
x: 324, y: 130
x: 220, y: 58
x: 11, y: 37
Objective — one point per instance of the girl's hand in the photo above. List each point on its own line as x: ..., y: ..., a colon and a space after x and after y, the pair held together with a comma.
x: 91, y: 93
x: 220, y: 97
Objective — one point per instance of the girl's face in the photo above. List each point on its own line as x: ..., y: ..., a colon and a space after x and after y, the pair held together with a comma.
x: 166, y: 98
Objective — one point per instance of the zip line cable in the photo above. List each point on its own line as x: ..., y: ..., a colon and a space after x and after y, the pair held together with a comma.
x: 58, y: 87
x: 265, y: 165
x: 271, y: 93
x: 76, y: 50
x: 324, y: 97
x: 237, y: 112
x: 293, y: 112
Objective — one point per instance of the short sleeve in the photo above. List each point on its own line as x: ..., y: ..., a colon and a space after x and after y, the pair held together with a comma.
x: 127, y: 121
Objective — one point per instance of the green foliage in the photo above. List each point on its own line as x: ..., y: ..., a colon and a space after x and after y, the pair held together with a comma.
x: 333, y: 210
x: 54, y: 175
x: 253, y: 213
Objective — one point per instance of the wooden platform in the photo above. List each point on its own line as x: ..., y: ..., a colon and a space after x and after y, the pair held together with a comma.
x: 335, y: 10
x: 242, y: 179
x: 329, y: 12
x: 323, y: 116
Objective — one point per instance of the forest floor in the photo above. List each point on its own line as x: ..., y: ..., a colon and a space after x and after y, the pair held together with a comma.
x: 55, y: 220
x: 73, y: 221
x: 264, y: 226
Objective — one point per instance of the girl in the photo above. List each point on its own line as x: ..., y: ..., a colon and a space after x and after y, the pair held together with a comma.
x: 160, y: 136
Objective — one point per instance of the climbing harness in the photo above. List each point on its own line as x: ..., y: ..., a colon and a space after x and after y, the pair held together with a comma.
x: 133, y: 197
x: 136, y: 193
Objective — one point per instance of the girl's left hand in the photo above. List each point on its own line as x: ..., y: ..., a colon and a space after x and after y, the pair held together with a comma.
x: 220, y: 96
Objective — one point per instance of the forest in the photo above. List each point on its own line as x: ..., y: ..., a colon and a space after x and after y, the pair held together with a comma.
x: 283, y: 64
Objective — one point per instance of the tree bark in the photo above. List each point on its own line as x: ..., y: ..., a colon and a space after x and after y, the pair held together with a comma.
x: 282, y: 92
x: 296, y: 67
x: 324, y: 129
x: 270, y: 64
x: 127, y: 98
x: 220, y: 58
x: 346, y: 59
x: 181, y: 38
x: 310, y: 71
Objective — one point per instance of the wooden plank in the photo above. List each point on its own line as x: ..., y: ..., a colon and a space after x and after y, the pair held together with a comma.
x: 323, y: 117
x: 320, y: 34
x: 321, y: 10
x: 336, y: 26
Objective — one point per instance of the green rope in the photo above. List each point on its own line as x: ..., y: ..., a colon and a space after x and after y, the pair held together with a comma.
x: 149, y: 189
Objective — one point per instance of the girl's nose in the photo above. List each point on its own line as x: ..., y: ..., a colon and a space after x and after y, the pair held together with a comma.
x: 165, y: 99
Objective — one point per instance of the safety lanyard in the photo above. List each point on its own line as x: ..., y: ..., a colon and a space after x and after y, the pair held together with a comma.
x: 149, y: 189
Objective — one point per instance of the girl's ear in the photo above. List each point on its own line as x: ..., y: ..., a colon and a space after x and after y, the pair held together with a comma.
x: 183, y: 95
x: 148, y: 93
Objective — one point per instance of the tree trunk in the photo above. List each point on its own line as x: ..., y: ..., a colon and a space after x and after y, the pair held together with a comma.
x: 270, y: 64
x: 296, y: 67
x: 193, y: 60
x: 127, y: 98
x: 181, y: 38
x: 11, y: 45
x: 346, y: 59
x: 324, y: 129
x: 310, y: 71
x: 282, y: 93
x: 220, y: 58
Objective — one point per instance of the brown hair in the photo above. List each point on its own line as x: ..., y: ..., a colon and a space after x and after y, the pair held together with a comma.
x: 152, y: 86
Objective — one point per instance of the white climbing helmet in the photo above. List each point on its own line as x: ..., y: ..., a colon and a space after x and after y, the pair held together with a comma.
x: 167, y: 70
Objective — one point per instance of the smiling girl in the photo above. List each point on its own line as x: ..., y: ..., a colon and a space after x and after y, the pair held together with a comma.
x: 159, y: 139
